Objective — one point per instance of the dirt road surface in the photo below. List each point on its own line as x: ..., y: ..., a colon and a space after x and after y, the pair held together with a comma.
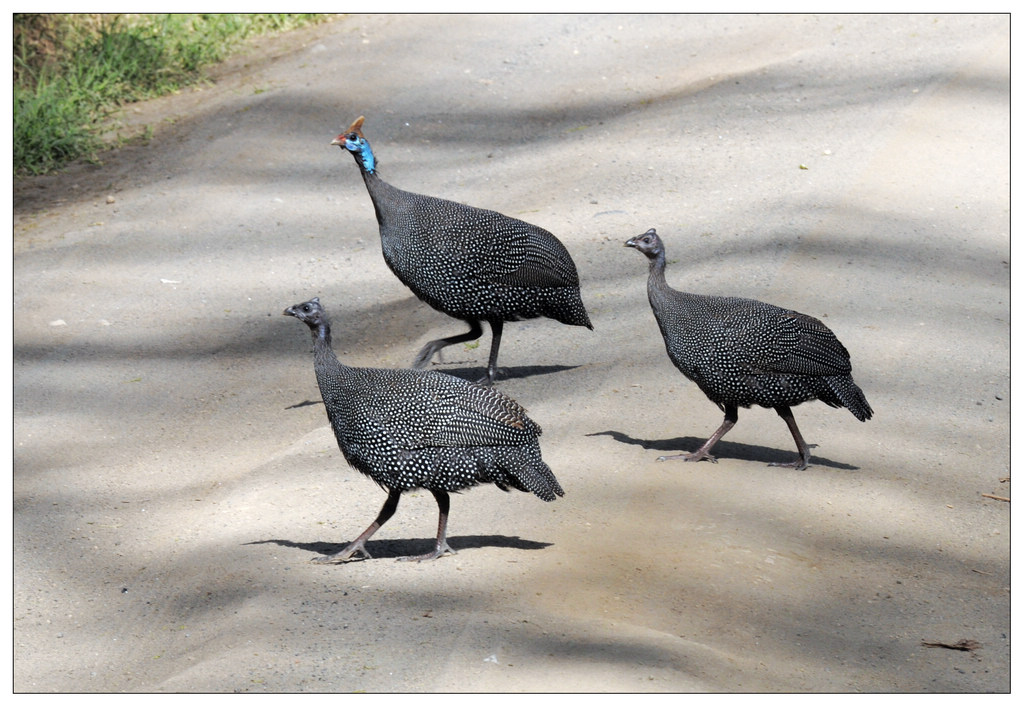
x: 175, y: 475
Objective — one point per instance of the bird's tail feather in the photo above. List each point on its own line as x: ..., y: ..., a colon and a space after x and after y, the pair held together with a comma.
x: 852, y: 397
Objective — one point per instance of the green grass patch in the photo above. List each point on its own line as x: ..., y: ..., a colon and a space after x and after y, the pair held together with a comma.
x: 71, y: 72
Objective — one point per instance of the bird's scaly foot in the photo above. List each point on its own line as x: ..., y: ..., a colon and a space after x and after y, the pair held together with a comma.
x: 692, y: 457
x: 437, y: 552
x: 799, y: 464
x: 342, y: 555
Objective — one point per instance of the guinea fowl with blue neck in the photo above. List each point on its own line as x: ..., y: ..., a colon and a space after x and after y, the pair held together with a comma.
x: 472, y: 264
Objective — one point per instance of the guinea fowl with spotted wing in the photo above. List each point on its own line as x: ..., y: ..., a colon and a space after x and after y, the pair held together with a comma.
x: 742, y: 352
x: 410, y: 429
x: 472, y: 264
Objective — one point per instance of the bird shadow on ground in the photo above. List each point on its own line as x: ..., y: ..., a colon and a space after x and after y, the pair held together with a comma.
x: 723, y: 450
x: 385, y: 549
x: 477, y: 372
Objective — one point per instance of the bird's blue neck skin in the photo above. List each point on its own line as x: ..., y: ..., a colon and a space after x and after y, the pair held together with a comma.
x: 361, y: 149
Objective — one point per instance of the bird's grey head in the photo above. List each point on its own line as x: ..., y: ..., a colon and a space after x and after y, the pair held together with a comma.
x: 353, y: 141
x: 647, y: 243
x: 310, y: 313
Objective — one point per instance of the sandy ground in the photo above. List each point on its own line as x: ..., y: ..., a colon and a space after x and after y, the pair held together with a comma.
x: 175, y: 475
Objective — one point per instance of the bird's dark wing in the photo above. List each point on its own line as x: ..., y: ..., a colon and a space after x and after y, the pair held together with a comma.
x: 432, y: 409
x: 783, y: 341
x: 487, y: 245
x: 535, y: 258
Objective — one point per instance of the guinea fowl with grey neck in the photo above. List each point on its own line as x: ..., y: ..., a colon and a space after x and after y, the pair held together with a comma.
x: 742, y: 352
x: 410, y: 429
